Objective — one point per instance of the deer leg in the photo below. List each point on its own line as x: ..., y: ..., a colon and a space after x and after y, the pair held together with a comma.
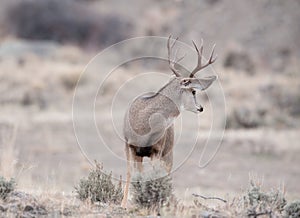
x: 163, y: 144
x: 167, y: 156
x: 168, y: 161
x: 128, y: 177
x: 139, y: 163
x: 156, y: 157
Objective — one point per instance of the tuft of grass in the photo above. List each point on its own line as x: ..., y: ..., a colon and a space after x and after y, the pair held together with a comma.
x: 8, y: 150
x: 6, y: 187
x: 151, y: 190
x: 99, y: 187
x: 292, y: 210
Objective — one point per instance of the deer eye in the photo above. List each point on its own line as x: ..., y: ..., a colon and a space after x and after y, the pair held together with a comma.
x: 185, y: 82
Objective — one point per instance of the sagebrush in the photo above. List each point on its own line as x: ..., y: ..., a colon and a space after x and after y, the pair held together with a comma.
x: 6, y: 187
x: 99, y: 187
x: 151, y: 190
x: 292, y: 210
x: 258, y: 202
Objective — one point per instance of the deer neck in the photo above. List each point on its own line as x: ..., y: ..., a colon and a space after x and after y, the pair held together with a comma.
x: 173, y: 92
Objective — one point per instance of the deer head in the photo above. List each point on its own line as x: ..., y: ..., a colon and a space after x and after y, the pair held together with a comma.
x: 189, y: 85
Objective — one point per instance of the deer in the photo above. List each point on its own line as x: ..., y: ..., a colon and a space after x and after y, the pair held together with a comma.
x: 149, y: 121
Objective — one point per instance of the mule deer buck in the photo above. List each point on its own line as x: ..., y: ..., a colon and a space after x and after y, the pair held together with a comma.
x: 148, y: 125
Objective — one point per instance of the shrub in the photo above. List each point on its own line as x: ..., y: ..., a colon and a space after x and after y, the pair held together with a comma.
x: 64, y: 21
x: 240, y: 60
x: 151, y: 190
x: 244, y: 117
x: 292, y: 210
x: 99, y: 187
x: 6, y: 187
x: 257, y: 202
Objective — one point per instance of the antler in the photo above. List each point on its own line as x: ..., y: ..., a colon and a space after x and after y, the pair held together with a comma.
x: 172, y: 63
x: 199, y: 64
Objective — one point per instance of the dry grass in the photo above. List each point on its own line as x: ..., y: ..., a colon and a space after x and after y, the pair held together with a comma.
x: 8, y: 151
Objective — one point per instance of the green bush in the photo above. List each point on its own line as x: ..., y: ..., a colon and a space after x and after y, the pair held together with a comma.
x: 6, y: 187
x: 151, y: 190
x: 99, y: 187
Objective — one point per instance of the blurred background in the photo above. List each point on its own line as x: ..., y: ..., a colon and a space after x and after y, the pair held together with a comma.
x: 46, y: 44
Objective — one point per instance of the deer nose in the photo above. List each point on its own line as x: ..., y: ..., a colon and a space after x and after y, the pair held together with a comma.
x: 200, y: 109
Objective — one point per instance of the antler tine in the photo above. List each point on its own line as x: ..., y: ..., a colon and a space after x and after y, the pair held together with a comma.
x: 199, y: 54
x: 177, y: 60
x: 180, y: 59
x: 211, y: 60
x: 172, y: 63
x: 212, y: 54
x: 199, y: 66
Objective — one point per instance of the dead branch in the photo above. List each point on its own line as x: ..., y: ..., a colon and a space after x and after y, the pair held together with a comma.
x: 209, y: 198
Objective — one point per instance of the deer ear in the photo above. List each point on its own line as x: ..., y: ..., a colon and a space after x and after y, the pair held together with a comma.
x: 204, y: 83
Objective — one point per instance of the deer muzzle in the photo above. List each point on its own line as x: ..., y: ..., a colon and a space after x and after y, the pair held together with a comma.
x: 200, y: 109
